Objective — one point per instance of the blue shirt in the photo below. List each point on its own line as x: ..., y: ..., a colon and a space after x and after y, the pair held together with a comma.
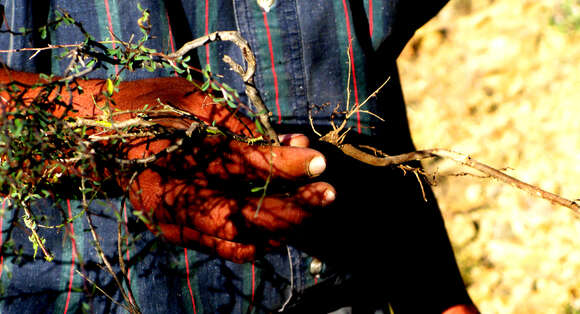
x: 303, y: 64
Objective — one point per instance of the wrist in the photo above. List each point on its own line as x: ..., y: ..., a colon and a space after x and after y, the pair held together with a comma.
x: 84, y: 104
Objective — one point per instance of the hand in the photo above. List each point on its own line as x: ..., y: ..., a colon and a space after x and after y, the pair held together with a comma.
x: 199, y: 195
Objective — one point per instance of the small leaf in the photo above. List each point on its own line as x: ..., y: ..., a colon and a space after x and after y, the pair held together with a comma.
x: 232, y: 104
x: 43, y: 32
x: 259, y: 127
x: 205, y: 85
x: 110, y: 87
x: 257, y: 189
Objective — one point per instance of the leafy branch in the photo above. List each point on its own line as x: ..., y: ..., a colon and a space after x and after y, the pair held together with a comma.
x: 42, y: 148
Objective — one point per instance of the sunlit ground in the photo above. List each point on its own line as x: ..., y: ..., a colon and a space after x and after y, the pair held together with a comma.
x: 498, y: 80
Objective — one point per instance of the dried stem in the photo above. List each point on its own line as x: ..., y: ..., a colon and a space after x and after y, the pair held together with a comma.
x: 247, y: 74
x: 466, y: 160
x: 102, y: 291
x: 132, y: 307
x: 31, y: 225
x: 338, y: 134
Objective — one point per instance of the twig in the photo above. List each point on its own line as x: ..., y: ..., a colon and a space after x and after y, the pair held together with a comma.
x: 30, y: 223
x: 247, y: 74
x: 122, y: 264
x: 133, y: 308
x: 79, y: 122
x: 102, y: 291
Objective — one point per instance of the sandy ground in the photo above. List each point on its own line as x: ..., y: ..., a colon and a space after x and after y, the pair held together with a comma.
x: 497, y: 80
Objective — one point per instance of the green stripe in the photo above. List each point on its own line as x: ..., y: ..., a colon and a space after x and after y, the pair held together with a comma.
x: 103, y: 21
x: 199, y: 29
x: 213, y: 18
x: 66, y: 258
x: 378, y: 21
x: 163, y: 26
x: 247, y: 287
x: 265, y: 62
x: 342, y: 41
x: 54, y: 53
x: 358, y: 58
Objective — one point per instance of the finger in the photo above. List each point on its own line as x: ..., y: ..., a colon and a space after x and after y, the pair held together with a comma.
x: 273, y: 161
x: 182, y: 94
x: 188, y: 237
x: 282, y: 213
x: 224, y: 158
x: 174, y: 201
x: 294, y: 140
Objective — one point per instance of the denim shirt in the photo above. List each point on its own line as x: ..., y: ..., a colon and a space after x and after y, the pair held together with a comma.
x: 309, y: 54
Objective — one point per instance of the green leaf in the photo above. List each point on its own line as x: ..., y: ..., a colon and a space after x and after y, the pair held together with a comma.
x: 215, y: 86
x: 205, y: 85
x: 110, y: 87
x: 232, y: 104
x: 34, y: 246
x: 257, y: 189
x: 259, y: 127
x: 43, y: 32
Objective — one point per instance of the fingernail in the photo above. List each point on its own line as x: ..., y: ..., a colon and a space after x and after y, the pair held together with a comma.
x: 329, y: 196
x: 294, y: 139
x: 285, y: 137
x: 316, y: 166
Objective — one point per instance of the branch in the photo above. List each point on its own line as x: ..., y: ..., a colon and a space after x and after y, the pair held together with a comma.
x: 30, y: 223
x: 132, y: 307
x: 247, y: 75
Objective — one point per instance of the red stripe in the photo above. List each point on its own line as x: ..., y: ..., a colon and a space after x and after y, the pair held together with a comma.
x: 371, y: 17
x: 253, y: 283
x: 188, y: 280
x: 185, y: 249
x: 73, y: 255
x: 207, y: 30
x: 111, y: 29
x: 171, y: 43
x: 273, y: 67
x: 347, y: 19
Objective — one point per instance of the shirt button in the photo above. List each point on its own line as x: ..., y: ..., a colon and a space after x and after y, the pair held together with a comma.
x: 266, y: 4
x: 316, y: 266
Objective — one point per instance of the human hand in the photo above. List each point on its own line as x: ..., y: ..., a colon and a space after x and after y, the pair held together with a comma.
x: 199, y: 195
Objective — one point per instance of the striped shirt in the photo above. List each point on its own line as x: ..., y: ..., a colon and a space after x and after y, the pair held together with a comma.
x: 309, y: 54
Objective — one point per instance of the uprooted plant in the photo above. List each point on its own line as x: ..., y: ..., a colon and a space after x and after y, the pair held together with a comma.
x: 39, y: 149
x: 44, y: 146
